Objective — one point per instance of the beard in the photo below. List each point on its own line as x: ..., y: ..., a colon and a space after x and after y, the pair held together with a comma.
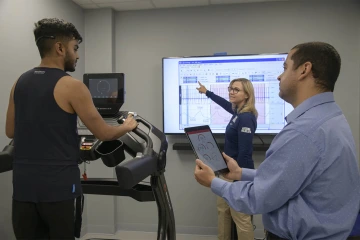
x: 69, y: 64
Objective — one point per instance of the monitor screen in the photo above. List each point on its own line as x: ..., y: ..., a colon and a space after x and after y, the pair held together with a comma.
x: 107, y: 91
x: 103, y: 88
x: 185, y: 107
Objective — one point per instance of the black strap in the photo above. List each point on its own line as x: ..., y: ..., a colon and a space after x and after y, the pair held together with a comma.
x: 78, y: 215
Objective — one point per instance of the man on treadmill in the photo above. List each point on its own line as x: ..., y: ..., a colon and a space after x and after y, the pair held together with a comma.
x: 42, y: 119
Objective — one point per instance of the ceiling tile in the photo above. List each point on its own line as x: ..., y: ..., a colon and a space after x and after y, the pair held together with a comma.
x: 113, y: 1
x: 132, y: 5
x: 179, y: 3
x: 224, y: 1
x: 89, y: 6
x: 83, y: 1
x: 124, y: 5
x: 241, y: 1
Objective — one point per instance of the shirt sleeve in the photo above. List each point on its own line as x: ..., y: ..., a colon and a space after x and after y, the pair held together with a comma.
x: 220, y: 101
x: 246, y: 129
x: 248, y: 174
x: 280, y: 177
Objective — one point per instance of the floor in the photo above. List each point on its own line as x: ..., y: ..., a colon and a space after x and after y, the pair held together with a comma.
x: 143, y: 236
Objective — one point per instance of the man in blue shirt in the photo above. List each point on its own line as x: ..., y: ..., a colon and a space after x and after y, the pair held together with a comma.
x: 308, y: 186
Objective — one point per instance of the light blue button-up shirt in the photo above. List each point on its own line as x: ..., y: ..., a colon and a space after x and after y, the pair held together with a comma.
x: 308, y: 186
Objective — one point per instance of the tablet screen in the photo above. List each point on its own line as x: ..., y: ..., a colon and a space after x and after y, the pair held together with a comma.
x: 206, y: 149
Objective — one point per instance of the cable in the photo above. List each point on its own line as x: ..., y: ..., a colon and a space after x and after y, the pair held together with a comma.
x: 83, y: 161
x: 260, y: 138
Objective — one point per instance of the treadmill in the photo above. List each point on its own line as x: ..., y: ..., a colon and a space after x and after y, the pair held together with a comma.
x: 146, y: 144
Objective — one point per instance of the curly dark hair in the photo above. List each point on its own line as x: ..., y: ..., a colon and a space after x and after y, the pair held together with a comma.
x: 325, y: 60
x: 49, y: 29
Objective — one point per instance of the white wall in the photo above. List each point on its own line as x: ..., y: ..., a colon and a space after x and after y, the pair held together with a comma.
x: 144, y: 37
x: 19, y: 53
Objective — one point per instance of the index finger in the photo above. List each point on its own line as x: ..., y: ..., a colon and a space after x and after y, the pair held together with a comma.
x: 200, y: 83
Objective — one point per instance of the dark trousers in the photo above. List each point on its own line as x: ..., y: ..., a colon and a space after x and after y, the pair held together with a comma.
x: 271, y: 236
x: 40, y: 221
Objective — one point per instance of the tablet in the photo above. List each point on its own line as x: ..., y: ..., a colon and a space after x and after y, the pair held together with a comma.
x: 205, y: 148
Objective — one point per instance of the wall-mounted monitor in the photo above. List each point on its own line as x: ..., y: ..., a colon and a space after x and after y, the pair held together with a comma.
x: 184, y: 106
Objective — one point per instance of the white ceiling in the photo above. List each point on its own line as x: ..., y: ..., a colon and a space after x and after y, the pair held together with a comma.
x: 126, y: 5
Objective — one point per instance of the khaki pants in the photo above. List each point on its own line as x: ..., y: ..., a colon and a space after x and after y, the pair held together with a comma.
x: 244, y: 227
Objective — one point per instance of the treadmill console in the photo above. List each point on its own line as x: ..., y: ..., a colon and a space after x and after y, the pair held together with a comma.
x: 108, y: 94
x: 107, y: 91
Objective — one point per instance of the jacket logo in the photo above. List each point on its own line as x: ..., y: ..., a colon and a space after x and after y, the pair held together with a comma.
x: 246, y: 130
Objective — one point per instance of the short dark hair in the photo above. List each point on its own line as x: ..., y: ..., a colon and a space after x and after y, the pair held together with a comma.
x: 49, y: 29
x: 325, y: 60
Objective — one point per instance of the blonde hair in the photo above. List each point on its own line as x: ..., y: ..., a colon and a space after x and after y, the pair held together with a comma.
x: 249, y: 105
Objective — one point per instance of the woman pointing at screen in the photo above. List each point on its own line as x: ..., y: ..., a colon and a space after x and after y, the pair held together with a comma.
x: 238, y: 144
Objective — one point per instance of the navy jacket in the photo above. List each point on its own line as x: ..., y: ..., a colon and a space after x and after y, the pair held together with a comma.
x: 239, y: 133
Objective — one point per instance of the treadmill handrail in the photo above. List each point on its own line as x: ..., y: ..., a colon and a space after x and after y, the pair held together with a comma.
x: 141, y: 133
x: 6, y: 158
x: 155, y: 131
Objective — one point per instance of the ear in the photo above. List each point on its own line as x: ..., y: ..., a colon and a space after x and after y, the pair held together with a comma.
x: 60, y: 48
x: 305, y: 70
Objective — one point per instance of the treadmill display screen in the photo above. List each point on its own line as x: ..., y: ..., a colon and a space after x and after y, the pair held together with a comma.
x: 107, y: 91
x: 103, y: 88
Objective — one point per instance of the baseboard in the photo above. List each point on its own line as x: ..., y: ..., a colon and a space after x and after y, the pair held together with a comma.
x: 197, y: 230
x: 193, y: 230
x: 102, y: 229
x: 123, y: 235
x: 137, y: 227
x: 83, y: 232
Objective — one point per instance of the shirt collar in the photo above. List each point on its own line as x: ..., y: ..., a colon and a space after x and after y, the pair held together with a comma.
x: 310, y: 103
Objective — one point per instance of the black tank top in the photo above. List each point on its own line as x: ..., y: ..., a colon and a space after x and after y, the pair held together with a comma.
x: 46, y: 145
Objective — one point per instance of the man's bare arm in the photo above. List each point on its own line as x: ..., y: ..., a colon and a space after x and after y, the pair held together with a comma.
x: 10, y: 115
x: 81, y: 102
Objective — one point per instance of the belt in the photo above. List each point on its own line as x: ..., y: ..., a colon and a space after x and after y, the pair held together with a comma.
x: 353, y: 238
x: 271, y: 236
